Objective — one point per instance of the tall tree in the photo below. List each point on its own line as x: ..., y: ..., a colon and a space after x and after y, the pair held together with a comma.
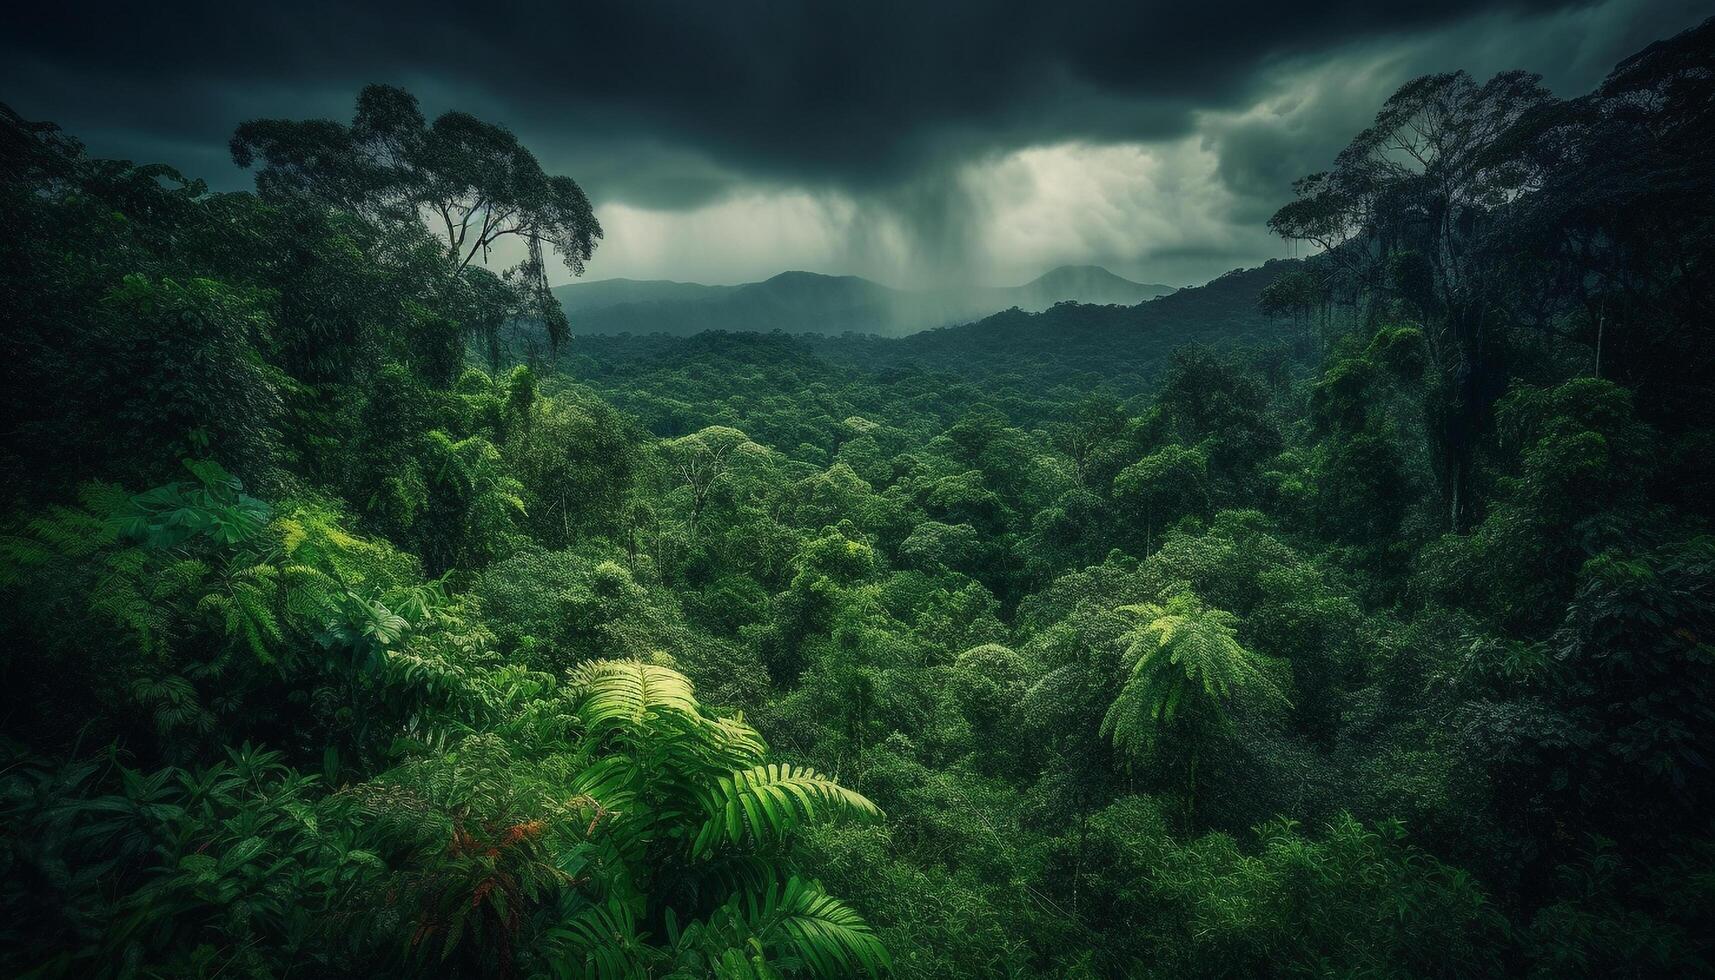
x: 1183, y: 664
x: 1161, y: 488
x: 472, y: 183
x: 1408, y: 211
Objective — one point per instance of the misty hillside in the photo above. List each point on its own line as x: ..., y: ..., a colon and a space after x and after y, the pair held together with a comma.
x: 1077, y: 337
x: 602, y: 293
x: 1027, y: 362
x: 807, y: 302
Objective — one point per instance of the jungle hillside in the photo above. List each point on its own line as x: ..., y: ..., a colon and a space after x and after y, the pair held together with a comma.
x: 1349, y: 614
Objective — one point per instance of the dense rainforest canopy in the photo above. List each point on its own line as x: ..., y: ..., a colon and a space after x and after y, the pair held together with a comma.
x: 1350, y: 616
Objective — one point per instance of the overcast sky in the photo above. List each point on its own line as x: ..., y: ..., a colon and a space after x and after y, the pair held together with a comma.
x: 912, y: 142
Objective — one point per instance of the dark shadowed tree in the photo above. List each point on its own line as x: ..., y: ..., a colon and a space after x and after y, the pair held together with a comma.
x: 470, y: 182
x: 1408, y: 211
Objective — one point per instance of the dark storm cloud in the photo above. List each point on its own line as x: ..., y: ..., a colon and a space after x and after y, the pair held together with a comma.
x: 1320, y: 102
x: 674, y: 105
x: 855, y: 93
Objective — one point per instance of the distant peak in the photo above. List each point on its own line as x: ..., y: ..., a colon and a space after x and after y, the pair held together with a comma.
x: 1080, y: 274
x: 799, y: 275
x: 800, y: 284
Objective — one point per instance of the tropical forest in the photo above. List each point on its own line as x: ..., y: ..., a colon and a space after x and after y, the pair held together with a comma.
x: 1349, y: 613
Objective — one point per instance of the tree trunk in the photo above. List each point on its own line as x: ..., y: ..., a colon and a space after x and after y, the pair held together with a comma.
x: 1191, y: 794
x: 1454, y: 480
x: 1601, y: 326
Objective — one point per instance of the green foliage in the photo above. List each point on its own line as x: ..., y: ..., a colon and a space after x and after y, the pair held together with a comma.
x: 1039, y: 641
x: 1349, y: 900
x: 1163, y: 487
x: 215, y: 507
x: 815, y: 929
x: 1181, y: 658
x: 764, y: 804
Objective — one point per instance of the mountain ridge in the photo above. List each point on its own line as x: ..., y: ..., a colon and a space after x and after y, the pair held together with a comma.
x: 797, y: 301
x: 1069, y: 340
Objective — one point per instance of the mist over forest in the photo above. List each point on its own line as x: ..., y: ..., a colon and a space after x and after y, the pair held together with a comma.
x: 806, y: 302
x: 926, y: 491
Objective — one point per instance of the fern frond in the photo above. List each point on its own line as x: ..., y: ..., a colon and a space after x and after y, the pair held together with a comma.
x: 71, y: 532
x: 730, y: 743
x: 1182, y: 654
x: 311, y: 593
x: 246, y: 609
x: 118, y: 597
x: 625, y: 694
x: 599, y: 942
x: 172, y: 702
x: 765, y: 803
x: 610, y: 784
x: 820, y: 931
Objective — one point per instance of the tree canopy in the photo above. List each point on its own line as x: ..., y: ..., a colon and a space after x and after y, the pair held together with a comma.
x: 1350, y: 615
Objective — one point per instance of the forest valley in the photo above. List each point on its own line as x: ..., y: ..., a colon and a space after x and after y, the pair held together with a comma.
x: 361, y: 621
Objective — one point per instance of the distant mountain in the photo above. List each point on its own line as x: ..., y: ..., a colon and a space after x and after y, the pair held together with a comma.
x: 601, y: 293
x: 807, y: 302
x: 1090, y: 284
x: 1067, y: 341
